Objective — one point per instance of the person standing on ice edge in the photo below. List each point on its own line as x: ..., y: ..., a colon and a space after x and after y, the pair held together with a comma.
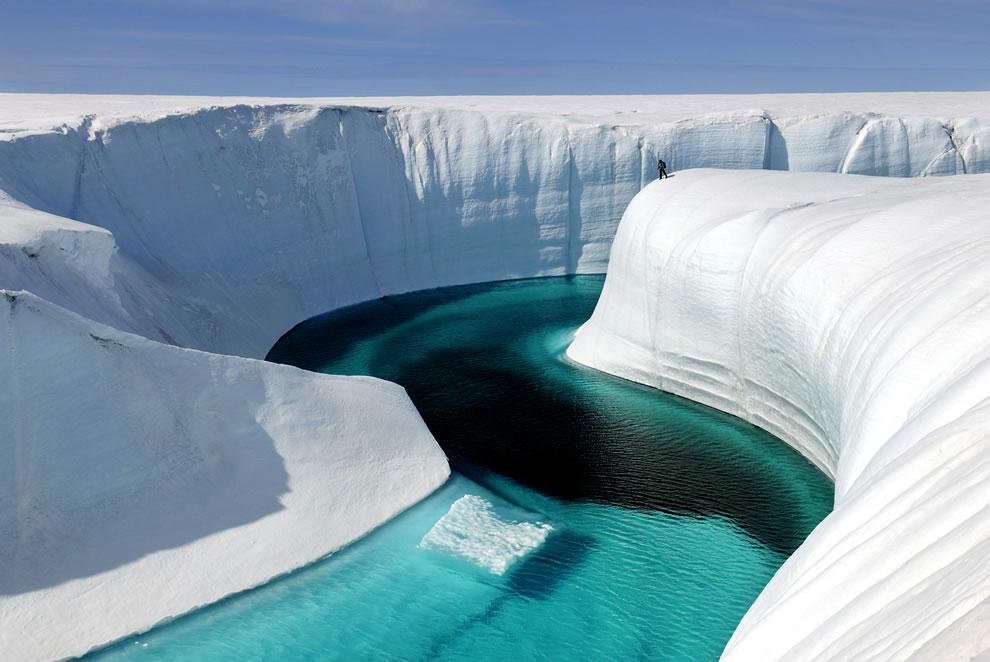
x: 662, y: 167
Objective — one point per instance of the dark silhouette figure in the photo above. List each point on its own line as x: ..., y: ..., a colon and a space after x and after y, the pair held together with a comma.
x: 662, y: 167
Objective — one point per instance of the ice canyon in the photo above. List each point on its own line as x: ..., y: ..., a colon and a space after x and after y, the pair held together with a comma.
x: 153, y: 248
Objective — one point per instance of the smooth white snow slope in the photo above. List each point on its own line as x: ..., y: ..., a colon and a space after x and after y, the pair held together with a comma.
x: 141, y: 480
x: 848, y: 316
x: 217, y: 224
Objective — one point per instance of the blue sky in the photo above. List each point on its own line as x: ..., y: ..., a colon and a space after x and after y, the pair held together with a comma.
x: 413, y: 47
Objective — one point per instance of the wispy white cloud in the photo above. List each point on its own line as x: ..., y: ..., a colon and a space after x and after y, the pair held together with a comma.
x: 239, y: 38
x: 408, y: 13
x: 904, y: 19
x: 946, y: 19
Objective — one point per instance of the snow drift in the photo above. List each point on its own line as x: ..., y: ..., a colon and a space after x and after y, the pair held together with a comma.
x: 217, y: 224
x: 848, y: 316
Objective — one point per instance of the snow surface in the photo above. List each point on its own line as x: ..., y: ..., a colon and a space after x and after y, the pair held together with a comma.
x: 217, y: 224
x: 492, y: 537
x: 142, y: 480
x: 848, y: 316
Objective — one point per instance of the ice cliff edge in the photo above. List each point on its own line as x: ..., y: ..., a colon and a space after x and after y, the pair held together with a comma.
x: 848, y: 316
x: 225, y: 208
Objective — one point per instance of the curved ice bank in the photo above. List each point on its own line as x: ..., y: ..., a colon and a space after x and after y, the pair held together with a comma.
x: 240, y: 217
x: 848, y: 316
x: 139, y: 480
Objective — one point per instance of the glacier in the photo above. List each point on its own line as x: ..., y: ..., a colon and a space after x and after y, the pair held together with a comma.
x: 151, y: 248
x: 221, y: 208
x: 848, y: 316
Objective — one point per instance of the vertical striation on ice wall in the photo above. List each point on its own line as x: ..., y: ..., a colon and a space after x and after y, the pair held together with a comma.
x: 295, y: 209
x: 848, y: 316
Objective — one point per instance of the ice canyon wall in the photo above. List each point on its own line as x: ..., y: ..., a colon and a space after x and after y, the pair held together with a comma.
x: 252, y: 218
x: 847, y: 315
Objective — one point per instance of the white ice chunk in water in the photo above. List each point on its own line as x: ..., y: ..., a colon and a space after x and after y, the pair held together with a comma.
x: 490, y: 536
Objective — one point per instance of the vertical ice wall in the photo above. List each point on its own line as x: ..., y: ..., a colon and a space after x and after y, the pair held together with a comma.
x: 255, y: 217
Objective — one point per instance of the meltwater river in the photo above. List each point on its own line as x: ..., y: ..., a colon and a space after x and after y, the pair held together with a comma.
x: 587, y: 518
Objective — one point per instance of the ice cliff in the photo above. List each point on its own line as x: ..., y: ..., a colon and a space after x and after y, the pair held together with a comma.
x: 847, y: 315
x: 134, y: 230
x: 245, y: 219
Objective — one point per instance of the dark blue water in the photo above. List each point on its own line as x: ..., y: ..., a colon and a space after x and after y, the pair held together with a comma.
x: 660, y: 520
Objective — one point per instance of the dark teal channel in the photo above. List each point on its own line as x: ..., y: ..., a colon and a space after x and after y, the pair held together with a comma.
x: 668, y: 517
x: 484, y: 365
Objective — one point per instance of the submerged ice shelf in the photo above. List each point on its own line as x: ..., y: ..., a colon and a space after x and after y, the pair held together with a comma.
x: 217, y: 224
x: 474, y: 528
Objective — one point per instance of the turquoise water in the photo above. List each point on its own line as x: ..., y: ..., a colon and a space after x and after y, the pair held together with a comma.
x: 668, y: 517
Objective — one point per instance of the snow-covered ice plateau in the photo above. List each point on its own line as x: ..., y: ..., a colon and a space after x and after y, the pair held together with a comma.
x: 135, y: 230
x: 848, y: 315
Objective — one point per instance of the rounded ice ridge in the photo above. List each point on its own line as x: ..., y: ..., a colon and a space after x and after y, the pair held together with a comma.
x: 848, y: 316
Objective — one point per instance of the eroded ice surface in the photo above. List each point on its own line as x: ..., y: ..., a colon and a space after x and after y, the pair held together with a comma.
x: 848, y: 315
